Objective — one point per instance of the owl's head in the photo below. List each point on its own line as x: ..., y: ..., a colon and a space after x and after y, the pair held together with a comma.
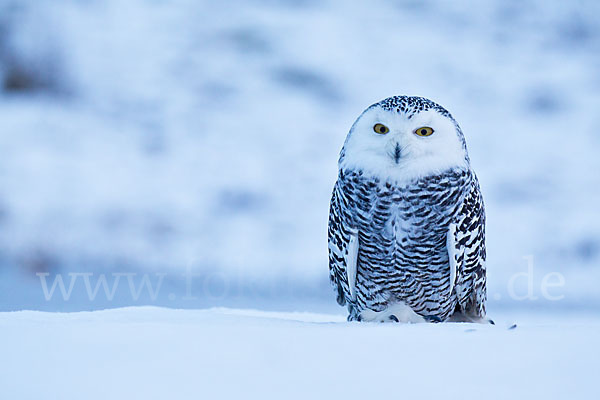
x: 404, y: 138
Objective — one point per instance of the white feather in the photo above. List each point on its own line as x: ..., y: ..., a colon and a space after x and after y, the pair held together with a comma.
x: 351, y: 264
x: 453, y: 254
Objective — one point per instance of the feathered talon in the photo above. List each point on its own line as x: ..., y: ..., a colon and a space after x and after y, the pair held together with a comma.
x: 432, y: 318
x: 393, y: 318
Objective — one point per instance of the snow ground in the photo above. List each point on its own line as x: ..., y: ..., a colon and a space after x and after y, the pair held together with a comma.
x: 175, y: 133
x: 158, y: 353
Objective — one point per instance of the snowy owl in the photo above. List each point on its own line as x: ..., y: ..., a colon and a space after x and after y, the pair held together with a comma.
x: 406, y: 220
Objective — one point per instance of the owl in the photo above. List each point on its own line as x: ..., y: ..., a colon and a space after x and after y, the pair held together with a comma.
x: 407, y: 222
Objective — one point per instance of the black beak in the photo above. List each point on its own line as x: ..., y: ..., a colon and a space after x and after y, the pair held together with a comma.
x: 397, y: 153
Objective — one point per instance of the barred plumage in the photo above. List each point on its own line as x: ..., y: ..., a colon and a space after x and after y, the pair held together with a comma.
x: 406, y: 236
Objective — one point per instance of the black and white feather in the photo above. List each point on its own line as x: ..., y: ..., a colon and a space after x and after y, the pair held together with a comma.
x: 407, y: 221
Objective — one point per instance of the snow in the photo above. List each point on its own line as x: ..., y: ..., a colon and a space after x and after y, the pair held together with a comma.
x: 161, y: 135
x: 153, y: 353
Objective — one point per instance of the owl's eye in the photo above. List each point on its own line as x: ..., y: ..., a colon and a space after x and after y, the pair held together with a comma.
x: 424, y: 131
x: 381, y: 129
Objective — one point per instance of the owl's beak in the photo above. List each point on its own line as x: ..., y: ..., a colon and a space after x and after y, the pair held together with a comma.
x: 397, y: 153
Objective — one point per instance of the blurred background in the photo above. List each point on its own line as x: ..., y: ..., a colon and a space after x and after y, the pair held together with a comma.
x: 195, y: 143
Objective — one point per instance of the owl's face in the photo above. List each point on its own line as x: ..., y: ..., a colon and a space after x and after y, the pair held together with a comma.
x: 404, y: 138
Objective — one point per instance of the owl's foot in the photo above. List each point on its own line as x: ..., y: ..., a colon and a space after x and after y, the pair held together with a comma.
x: 432, y: 318
x: 397, y: 312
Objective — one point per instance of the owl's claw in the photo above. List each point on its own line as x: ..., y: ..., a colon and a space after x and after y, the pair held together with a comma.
x: 393, y: 318
x: 432, y: 318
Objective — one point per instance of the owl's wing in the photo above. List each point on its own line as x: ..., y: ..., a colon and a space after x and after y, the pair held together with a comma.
x: 343, y: 247
x: 467, y: 253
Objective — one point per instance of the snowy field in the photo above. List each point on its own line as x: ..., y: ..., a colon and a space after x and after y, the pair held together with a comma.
x: 157, y: 353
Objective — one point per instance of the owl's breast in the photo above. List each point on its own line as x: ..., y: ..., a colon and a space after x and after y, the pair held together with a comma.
x: 402, y: 245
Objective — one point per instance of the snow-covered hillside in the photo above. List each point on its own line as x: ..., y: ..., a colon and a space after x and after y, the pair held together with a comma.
x: 154, y: 353
x: 154, y: 136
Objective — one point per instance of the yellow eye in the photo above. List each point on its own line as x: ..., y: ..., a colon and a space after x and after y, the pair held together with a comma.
x: 381, y: 129
x: 424, y: 131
